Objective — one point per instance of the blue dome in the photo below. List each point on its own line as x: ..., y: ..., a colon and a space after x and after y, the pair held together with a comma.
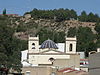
x: 48, y: 44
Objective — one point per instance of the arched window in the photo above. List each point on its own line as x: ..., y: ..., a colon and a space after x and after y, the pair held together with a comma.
x: 51, y: 60
x: 33, y: 45
x: 70, y: 47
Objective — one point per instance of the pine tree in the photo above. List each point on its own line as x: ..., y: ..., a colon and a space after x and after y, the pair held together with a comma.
x: 4, y: 12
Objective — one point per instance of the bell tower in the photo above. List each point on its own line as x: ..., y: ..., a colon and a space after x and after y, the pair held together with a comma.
x: 70, y: 45
x: 33, y: 44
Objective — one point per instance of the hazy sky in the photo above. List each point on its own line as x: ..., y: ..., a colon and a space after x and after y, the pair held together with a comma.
x: 22, y: 6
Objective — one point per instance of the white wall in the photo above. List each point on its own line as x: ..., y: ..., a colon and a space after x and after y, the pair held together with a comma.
x: 44, y: 59
x: 68, y: 42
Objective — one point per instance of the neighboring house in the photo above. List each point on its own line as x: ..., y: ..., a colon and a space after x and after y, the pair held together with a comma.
x: 94, y: 63
x: 82, y: 55
x: 84, y: 64
x: 14, y: 15
x: 36, y: 70
x: 71, y: 71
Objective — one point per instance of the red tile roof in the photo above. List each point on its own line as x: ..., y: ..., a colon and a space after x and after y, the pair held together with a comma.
x: 67, y: 70
x: 83, y: 59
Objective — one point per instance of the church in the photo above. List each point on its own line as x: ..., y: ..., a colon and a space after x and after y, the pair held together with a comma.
x: 48, y: 53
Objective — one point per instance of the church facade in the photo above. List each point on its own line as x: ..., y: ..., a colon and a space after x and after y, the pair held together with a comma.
x: 47, y: 54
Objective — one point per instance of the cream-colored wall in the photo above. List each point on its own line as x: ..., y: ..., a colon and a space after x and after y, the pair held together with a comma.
x: 41, y: 50
x: 51, y: 52
x: 44, y: 59
x: 74, y: 61
x: 37, y: 70
x: 68, y: 42
x: 60, y: 60
x: 34, y: 40
x: 61, y: 63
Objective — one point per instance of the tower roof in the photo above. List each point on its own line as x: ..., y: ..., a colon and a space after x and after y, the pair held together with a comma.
x: 48, y: 44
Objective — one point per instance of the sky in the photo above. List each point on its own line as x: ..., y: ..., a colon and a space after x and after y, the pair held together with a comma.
x: 22, y: 6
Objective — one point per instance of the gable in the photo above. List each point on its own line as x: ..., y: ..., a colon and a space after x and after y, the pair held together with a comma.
x: 52, y: 52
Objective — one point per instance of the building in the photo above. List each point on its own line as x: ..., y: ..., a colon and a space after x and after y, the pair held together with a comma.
x: 84, y: 64
x: 48, y: 54
x: 94, y: 63
x: 37, y: 70
x: 71, y: 71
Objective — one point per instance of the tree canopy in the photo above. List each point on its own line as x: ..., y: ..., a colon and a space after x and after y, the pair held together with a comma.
x: 97, y: 28
x: 4, y: 12
x: 45, y: 34
x: 85, y: 38
x: 10, y: 46
x: 62, y: 14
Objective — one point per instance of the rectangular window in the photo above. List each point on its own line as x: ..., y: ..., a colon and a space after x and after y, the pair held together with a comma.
x: 27, y: 72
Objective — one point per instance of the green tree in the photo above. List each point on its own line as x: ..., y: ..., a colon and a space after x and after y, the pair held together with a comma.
x: 98, y: 43
x: 73, y: 14
x: 83, y: 17
x: 97, y: 28
x: 85, y: 38
x: 10, y: 47
x: 45, y: 34
x: 90, y: 17
x: 60, y: 14
x: 4, y: 12
x: 72, y: 32
x: 63, y: 14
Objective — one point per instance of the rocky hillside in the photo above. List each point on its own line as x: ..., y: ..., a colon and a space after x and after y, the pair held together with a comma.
x: 25, y: 25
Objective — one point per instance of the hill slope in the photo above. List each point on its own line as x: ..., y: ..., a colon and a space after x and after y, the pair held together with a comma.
x: 27, y: 25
